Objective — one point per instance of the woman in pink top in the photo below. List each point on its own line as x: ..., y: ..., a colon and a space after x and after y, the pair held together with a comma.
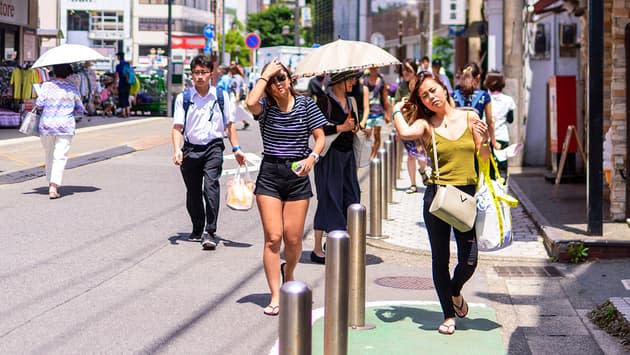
x: 60, y: 102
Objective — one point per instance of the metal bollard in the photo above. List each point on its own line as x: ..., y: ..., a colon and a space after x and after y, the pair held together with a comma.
x: 389, y: 147
x: 382, y: 155
x: 392, y: 137
x: 399, y: 158
x: 336, y: 294
x: 295, y: 319
x: 356, y: 270
x: 375, y: 198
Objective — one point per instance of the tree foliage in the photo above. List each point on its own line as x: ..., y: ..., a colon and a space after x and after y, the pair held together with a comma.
x: 235, y: 44
x: 443, y: 50
x: 269, y: 24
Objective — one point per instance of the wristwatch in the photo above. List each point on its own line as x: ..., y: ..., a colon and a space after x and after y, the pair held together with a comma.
x: 315, y: 156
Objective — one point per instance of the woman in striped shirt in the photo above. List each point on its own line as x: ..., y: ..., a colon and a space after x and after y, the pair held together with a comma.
x: 283, y: 188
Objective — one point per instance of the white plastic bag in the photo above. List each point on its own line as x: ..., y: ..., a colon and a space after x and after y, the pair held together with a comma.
x: 362, y: 146
x: 240, y: 191
x: 493, y: 226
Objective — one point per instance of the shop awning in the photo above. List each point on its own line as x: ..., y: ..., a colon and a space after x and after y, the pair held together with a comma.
x: 47, y: 32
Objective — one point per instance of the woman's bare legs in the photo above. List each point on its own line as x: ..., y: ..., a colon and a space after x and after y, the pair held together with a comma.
x: 294, y: 215
x: 281, y: 221
x: 377, y: 141
x: 270, y: 209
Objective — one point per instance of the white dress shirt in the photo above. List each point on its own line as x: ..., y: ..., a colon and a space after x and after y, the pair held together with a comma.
x: 199, y: 129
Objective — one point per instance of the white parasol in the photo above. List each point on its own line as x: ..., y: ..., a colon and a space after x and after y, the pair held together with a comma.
x: 342, y: 55
x: 67, y: 53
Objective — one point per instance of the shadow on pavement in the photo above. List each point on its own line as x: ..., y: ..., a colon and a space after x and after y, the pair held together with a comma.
x: 429, y: 319
x: 65, y: 190
x: 261, y: 299
x: 370, y: 259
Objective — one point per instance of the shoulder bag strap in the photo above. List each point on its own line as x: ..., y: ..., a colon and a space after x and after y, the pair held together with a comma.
x: 437, y: 167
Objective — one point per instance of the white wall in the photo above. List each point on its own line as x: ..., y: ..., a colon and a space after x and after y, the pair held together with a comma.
x: 536, y: 75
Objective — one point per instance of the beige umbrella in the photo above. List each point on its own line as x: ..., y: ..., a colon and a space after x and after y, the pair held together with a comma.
x: 67, y: 53
x: 342, y: 55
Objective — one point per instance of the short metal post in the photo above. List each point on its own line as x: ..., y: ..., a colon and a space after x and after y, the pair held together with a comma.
x: 382, y: 155
x: 392, y: 137
x: 389, y: 147
x: 356, y: 272
x: 375, y: 198
x: 336, y: 294
x: 400, y: 148
x: 295, y: 319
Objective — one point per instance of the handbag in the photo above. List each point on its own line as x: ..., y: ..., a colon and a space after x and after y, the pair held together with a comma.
x: 240, y: 191
x: 493, y: 226
x: 451, y: 204
x: 30, y: 123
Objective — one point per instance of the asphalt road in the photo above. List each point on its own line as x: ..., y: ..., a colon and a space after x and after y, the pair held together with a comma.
x: 107, y: 267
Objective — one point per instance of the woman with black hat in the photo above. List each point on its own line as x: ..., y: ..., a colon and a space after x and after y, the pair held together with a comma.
x: 336, y: 178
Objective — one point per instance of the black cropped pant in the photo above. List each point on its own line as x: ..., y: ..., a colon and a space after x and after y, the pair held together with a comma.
x: 439, y: 237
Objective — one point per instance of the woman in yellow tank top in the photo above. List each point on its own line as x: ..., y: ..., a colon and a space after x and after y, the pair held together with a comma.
x: 459, y: 135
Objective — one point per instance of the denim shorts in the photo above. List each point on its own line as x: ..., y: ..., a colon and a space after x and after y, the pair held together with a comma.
x: 276, y: 179
x: 375, y: 121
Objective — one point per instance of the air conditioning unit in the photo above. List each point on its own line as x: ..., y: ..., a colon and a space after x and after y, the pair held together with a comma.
x: 568, y: 35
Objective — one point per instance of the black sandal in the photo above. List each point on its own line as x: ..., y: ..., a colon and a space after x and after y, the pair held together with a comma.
x: 459, y: 310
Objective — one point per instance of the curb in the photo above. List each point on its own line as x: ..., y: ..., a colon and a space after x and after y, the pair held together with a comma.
x: 557, y: 245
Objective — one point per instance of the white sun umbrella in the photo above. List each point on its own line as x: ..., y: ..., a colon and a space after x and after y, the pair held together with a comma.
x: 342, y: 55
x: 67, y: 53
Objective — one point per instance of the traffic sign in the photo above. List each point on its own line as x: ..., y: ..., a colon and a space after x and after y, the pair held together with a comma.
x: 252, y: 40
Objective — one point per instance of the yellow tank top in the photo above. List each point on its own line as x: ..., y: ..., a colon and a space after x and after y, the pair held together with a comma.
x: 456, y: 160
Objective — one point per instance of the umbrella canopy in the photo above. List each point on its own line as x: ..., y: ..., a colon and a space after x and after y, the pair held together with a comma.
x: 67, y: 53
x: 342, y: 55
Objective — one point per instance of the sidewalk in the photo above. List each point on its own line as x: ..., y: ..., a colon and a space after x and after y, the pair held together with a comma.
x: 520, y: 302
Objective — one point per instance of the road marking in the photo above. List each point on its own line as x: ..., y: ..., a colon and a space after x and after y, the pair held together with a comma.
x: 252, y: 162
x: 626, y: 284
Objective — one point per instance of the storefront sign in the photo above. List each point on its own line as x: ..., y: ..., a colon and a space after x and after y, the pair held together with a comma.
x: 188, y: 42
x: 453, y: 12
x: 14, y: 12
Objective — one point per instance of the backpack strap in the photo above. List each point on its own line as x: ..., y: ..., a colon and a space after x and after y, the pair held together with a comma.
x: 186, y: 104
x: 221, y: 102
x: 457, y: 95
x: 476, y: 97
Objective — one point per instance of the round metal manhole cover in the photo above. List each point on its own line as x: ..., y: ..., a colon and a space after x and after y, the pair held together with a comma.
x: 406, y: 282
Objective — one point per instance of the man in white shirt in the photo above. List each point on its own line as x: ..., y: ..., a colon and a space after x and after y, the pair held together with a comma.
x: 200, y: 120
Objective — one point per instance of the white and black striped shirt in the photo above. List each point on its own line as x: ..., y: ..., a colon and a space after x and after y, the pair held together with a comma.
x: 285, y: 134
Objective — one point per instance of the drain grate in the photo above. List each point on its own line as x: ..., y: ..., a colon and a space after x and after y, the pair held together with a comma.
x: 406, y: 282
x: 527, y: 271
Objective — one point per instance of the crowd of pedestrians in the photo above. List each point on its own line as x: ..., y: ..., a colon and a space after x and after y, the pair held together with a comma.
x: 444, y: 132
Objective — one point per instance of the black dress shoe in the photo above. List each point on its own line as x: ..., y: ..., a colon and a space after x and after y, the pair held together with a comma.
x: 317, y: 259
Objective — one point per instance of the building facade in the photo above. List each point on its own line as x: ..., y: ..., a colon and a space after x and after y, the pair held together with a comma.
x: 18, y: 31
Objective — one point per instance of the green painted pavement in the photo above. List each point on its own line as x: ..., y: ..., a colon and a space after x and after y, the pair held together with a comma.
x: 411, y: 328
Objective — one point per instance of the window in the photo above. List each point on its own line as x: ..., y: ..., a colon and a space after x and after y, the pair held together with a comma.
x: 78, y: 20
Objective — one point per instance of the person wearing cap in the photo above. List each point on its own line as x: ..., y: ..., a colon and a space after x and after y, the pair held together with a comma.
x: 336, y: 179
x: 436, y: 67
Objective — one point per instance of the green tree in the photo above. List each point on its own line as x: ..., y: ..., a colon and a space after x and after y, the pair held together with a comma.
x: 443, y: 50
x: 235, y: 44
x: 269, y: 24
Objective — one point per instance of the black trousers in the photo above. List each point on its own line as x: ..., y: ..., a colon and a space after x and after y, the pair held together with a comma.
x: 439, y: 237
x: 201, y: 170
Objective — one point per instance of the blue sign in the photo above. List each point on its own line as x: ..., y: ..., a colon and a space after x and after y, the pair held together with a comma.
x: 456, y: 30
x: 252, y: 40
x: 208, y: 31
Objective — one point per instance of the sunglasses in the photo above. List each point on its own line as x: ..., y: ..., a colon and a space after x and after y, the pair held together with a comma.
x: 280, y: 78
